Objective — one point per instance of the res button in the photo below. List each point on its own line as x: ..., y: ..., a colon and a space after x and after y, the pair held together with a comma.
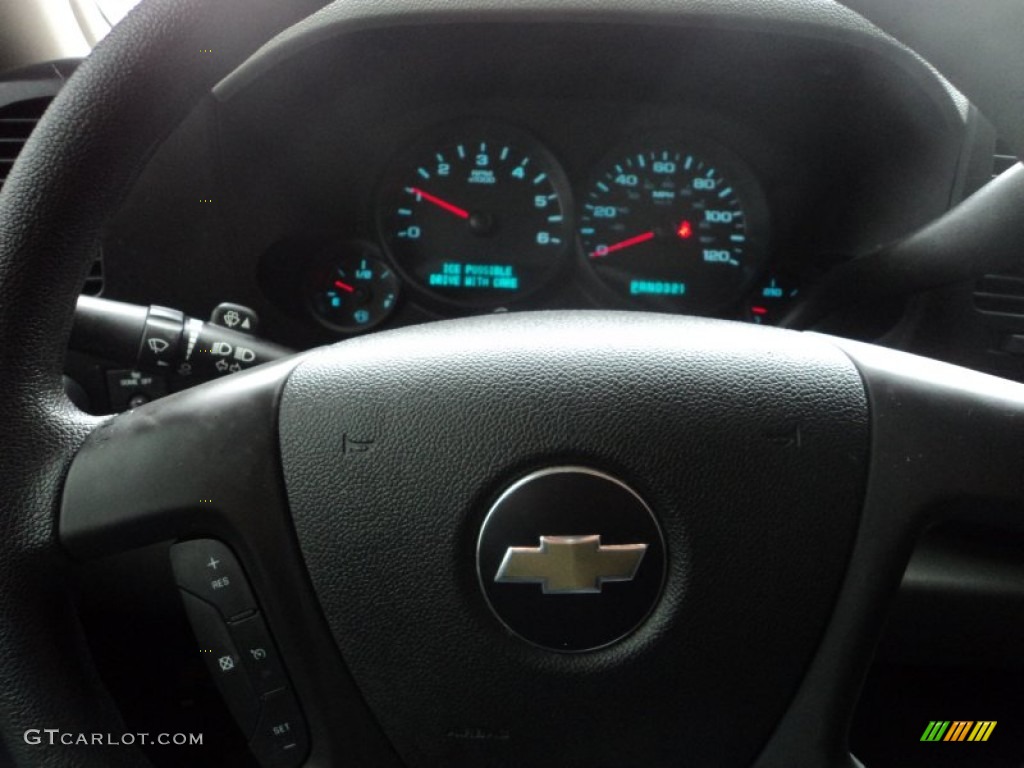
x: 209, y: 570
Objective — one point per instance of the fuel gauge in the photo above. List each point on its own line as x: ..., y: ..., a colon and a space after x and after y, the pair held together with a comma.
x: 353, y: 293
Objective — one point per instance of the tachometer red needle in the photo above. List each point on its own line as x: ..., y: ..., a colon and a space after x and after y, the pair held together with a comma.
x: 345, y: 286
x: 606, y: 249
x: 462, y: 214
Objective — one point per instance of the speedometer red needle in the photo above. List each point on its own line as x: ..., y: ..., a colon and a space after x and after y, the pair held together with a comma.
x: 461, y: 213
x: 604, y: 250
x: 345, y: 286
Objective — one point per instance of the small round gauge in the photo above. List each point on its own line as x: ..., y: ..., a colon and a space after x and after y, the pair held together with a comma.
x: 674, y: 224
x: 772, y: 299
x: 477, y: 214
x: 352, y: 293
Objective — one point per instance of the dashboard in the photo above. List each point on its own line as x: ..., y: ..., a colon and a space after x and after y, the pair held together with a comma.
x: 347, y: 181
x: 389, y: 177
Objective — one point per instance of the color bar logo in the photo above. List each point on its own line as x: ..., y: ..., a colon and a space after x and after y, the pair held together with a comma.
x: 958, y: 730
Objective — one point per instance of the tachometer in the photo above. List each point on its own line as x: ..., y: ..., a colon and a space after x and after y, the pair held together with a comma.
x: 674, y: 224
x: 477, y: 214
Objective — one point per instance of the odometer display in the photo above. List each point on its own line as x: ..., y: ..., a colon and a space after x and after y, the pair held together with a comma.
x: 481, y: 217
x: 674, y: 225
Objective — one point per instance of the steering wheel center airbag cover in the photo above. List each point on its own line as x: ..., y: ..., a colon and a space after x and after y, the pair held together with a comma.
x: 749, y: 443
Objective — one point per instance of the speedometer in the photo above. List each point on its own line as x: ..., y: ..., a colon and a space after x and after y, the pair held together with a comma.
x: 476, y: 214
x: 674, y: 224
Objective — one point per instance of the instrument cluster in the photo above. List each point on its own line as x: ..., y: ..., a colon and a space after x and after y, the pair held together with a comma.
x: 480, y: 215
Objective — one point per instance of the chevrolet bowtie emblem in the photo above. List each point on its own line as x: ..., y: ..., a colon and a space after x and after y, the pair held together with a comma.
x: 565, y: 565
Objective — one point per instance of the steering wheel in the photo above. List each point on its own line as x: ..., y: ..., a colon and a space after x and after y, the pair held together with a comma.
x: 539, y: 539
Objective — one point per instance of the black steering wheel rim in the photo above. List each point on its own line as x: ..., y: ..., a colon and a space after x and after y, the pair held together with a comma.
x: 125, y: 98
x: 68, y: 182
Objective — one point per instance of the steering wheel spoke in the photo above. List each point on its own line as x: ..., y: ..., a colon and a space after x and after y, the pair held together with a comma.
x: 202, y: 467
x: 202, y: 462
x: 947, y: 444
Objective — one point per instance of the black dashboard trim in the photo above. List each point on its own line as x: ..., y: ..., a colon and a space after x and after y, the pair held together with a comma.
x: 805, y: 18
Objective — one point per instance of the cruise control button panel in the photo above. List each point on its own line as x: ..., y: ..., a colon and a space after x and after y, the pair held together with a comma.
x: 239, y: 652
